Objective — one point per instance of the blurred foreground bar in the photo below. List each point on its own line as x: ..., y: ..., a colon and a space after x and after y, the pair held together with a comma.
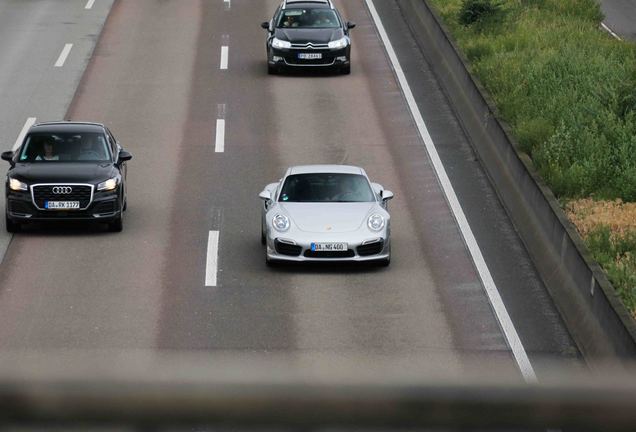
x: 147, y: 393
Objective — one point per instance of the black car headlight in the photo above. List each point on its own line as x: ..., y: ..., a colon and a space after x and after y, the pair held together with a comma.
x: 108, y: 185
x: 340, y: 43
x: 277, y: 43
x: 17, y: 185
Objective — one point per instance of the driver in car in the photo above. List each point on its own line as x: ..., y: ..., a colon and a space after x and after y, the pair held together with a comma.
x: 49, y: 152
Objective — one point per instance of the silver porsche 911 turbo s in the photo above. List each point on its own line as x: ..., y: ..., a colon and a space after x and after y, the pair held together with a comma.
x: 326, y: 213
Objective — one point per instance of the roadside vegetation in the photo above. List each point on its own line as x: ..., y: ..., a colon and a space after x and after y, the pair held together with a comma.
x: 568, y: 91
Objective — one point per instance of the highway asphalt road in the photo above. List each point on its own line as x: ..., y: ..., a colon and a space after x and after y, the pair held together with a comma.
x: 620, y: 17
x: 155, y: 79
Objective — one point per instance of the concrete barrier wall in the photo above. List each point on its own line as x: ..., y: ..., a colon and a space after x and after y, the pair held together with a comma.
x: 597, y: 320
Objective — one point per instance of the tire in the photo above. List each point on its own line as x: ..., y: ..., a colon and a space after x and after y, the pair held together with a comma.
x: 263, y: 240
x: 346, y: 70
x: 12, y: 227
x: 272, y: 70
x: 117, y: 225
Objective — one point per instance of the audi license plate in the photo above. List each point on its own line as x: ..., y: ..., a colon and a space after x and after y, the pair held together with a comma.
x: 329, y: 247
x: 61, y: 205
x: 309, y: 56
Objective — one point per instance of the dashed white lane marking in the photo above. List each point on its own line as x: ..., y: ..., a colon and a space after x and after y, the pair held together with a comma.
x: 211, y: 264
x: 224, y: 57
x: 219, y: 142
x: 63, y: 55
x: 27, y: 125
x: 609, y: 30
x: 89, y: 4
x: 494, y: 297
x: 227, y: 4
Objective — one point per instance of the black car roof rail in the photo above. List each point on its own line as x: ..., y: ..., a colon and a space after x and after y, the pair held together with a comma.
x: 290, y: 2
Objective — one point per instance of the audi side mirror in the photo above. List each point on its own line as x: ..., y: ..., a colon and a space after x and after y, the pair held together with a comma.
x: 124, y: 156
x: 8, y: 156
x: 350, y: 24
x: 265, y: 25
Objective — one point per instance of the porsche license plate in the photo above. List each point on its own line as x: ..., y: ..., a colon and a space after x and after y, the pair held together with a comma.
x: 329, y: 247
x: 61, y: 205
x: 309, y: 56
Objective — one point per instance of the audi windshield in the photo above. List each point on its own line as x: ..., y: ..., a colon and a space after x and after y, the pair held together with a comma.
x: 65, y: 147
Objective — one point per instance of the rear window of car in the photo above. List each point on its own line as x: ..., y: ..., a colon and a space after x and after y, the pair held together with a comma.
x: 326, y: 187
x: 308, y: 18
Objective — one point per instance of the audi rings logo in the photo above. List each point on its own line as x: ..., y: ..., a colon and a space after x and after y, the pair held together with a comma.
x: 62, y: 190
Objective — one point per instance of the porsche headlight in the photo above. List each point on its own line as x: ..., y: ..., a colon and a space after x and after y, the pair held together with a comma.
x: 108, y: 185
x: 340, y: 43
x: 277, y: 43
x: 17, y: 185
x: 375, y: 222
x: 280, y: 223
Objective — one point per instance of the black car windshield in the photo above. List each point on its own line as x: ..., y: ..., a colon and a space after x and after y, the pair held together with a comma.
x: 308, y: 18
x: 65, y: 147
x: 326, y: 187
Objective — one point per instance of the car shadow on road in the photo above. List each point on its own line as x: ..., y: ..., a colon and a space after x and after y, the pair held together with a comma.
x: 311, y: 72
x: 64, y: 228
x: 326, y: 267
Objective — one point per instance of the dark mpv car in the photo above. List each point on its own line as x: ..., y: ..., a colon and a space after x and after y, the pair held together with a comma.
x: 66, y: 171
x: 308, y: 33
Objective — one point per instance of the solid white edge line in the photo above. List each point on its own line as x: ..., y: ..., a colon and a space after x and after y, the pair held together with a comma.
x: 64, y: 55
x: 224, y: 56
x: 498, y: 306
x: 609, y: 30
x: 27, y: 125
x: 211, y: 263
x: 89, y: 4
x: 219, y: 142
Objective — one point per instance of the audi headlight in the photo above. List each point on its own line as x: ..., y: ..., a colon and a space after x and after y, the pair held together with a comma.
x: 340, y: 43
x: 375, y: 222
x: 277, y: 43
x: 280, y: 223
x: 17, y: 185
x: 108, y: 185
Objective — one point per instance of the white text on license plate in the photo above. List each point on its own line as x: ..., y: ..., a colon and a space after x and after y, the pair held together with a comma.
x: 61, y: 205
x: 328, y: 247
x: 309, y: 56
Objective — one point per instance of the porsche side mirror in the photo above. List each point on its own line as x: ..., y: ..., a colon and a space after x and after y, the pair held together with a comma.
x: 265, y: 195
x: 387, y: 195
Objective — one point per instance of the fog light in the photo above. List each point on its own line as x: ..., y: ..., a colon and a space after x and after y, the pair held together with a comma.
x: 341, y: 58
x: 277, y: 59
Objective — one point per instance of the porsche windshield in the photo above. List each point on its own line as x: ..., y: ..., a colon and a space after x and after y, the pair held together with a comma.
x: 326, y: 187
x: 60, y: 147
x: 308, y: 18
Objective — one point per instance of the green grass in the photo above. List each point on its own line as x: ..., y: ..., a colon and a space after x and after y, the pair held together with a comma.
x: 617, y: 255
x: 568, y: 91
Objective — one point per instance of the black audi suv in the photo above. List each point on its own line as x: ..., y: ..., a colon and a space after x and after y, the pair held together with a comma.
x: 308, y: 33
x: 66, y: 171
